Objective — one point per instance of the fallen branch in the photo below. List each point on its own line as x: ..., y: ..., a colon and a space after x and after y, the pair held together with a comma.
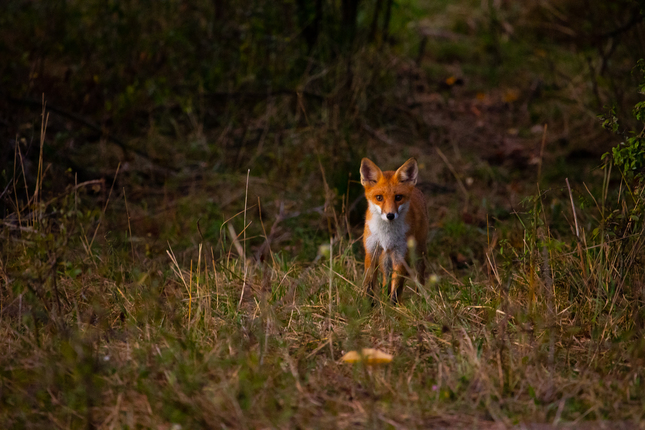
x: 32, y: 103
x: 261, y: 95
x: 377, y: 135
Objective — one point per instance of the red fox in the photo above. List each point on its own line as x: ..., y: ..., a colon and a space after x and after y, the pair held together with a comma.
x: 396, y: 214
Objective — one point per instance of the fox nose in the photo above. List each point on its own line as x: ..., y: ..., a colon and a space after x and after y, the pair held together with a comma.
x: 390, y: 216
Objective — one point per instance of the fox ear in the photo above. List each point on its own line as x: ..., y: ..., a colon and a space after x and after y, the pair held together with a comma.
x: 408, y: 172
x: 370, y: 173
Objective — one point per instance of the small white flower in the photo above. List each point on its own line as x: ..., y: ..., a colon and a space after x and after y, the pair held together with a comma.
x: 324, y: 250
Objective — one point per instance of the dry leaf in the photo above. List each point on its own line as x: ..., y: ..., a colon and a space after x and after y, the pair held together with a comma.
x: 511, y: 95
x: 368, y: 355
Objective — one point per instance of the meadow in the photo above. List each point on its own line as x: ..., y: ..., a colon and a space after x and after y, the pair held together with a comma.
x: 182, y: 213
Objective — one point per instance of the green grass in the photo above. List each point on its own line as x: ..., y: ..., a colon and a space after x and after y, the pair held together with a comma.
x: 102, y: 334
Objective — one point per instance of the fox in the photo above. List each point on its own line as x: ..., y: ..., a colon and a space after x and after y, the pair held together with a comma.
x: 396, y: 219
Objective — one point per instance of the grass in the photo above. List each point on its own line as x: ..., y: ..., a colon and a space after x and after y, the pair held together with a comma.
x: 183, y: 291
x: 532, y: 326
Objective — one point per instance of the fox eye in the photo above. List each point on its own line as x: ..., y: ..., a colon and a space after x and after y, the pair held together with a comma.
x: 398, y: 197
x: 379, y: 198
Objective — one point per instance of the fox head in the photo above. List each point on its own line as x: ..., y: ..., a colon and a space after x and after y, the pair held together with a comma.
x: 388, y: 193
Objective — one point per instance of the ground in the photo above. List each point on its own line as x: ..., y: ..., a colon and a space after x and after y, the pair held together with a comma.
x: 188, y: 257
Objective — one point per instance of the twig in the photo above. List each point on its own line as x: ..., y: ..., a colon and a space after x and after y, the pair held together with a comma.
x: 635, y: 20
x: 583, y: 267
x: 454, y: 173
x: 175, y: 266
x: 331, y: 280
x: 274, y: 229
x: 246, y: 197
x: 573, y: 209
x: 263, y: 95
x: 127, y: 213
x: 39, y: 175
x: 377, y: 11
x: 541, y: 153
x: 83, y: 121
x: 550, y: 302
x: 190, y: 292
x: 6, y: 189
x: 376, y: 135
x: 234, y: 238
x: 215, y: 278
x: 107, y: 202
x: 386, y: 24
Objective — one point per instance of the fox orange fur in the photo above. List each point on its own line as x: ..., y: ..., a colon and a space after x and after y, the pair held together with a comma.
x: 396, y: 214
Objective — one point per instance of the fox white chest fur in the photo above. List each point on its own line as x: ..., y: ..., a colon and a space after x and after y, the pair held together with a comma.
x: 391, y: 235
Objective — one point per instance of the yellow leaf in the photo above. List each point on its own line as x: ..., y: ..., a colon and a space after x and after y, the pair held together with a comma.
x: 511, y: 95
x: 367, y: 355
x: 451, y: 80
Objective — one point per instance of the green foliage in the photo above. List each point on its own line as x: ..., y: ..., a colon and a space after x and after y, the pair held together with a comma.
x: 629, y: 156
x: 625, y: 220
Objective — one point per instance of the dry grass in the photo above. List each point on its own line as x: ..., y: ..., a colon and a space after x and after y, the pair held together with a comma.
x: 193, y: 293
x: 93, y: 333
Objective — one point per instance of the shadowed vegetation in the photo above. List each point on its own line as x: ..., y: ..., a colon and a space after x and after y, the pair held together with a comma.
x: 181, y: 213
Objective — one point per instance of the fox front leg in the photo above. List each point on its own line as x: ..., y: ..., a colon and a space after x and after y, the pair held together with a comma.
x: 371, y: 271
x: 369, y: 277
x: 399, y: 273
